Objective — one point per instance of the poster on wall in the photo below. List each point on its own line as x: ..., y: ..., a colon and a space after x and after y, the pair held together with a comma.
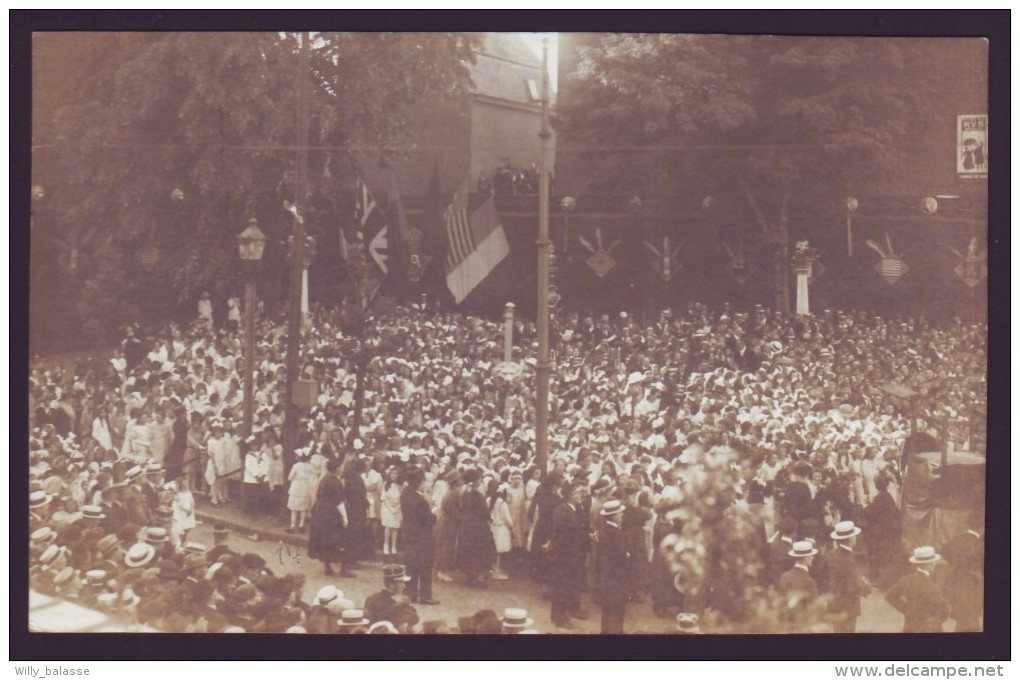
x: 972, y: 146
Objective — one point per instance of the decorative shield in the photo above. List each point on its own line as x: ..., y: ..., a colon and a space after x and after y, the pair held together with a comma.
x: 973, y: 269
x: 600, y: 260
x: 891, y: 268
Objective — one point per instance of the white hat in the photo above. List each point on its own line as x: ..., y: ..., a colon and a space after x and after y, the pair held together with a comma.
x: 802, y: 549
x: 925, y: 555
x: 514, y: 617
x: 845, y: 530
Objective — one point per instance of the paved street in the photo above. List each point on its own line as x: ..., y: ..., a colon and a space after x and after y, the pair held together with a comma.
x: 287, y: 552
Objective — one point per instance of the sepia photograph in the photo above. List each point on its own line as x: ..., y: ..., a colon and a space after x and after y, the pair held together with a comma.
x: 423, y: 333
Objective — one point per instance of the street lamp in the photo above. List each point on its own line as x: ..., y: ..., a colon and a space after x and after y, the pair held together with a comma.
x: 568, y: 204
x: 250, y: 244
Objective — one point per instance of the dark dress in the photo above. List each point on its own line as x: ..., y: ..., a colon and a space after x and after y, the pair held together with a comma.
x: 326, y: 533
x: 883, y: 539
x: 476, y: 549
x: 448, y: 529
x: 359, y: 539
x: 566, y: 561
x: 419, y: 546
x: 173, y: 461
x: 611, y: 582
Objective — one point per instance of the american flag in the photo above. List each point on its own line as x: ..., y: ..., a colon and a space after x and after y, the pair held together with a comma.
x: 458, y: 229
x: 891, y: 268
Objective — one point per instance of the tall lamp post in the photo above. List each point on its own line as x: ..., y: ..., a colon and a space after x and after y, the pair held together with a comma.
x: 543, y: 366
x: 250, y: 244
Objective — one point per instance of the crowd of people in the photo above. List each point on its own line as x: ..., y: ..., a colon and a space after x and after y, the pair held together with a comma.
x: 419, y: 447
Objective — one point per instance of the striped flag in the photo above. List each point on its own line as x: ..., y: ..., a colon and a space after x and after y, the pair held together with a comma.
x: 476, y: 244
x: 892, y: 269
x: 372, y: 228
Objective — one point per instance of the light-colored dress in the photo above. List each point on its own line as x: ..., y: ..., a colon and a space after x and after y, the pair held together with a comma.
x: 276, y: 466
x: 390, y: 513
x: 184, y: 515
x: 374, y: 489
x: 299, y: 497
x: 502, y: 524
x: 518, y: 502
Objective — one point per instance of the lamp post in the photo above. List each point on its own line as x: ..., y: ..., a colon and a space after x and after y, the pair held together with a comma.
x: 250, y: 244
x: 567, y: 203
x: 543, y: 366
x: 508, y: 332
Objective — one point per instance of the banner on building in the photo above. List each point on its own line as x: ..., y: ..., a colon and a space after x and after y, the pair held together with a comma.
x: 972, y: 146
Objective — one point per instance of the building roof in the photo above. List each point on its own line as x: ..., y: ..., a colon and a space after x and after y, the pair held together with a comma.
x: 503, y: 68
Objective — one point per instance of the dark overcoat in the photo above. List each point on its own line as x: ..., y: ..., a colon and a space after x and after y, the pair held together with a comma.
x: 326, y: 533
x: 416, y: 530
x: 612, y: 574
x: 476, y: 549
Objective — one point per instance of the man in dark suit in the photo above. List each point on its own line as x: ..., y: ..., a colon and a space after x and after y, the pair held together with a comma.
x: 419, y: 545
x: 136, y: 505
x: 780, y: 561
x: 965, y: 586
x: 845, y: 582
x: 884, y: 535
x: 612, y: 567
x: 796, y: 583
x: 566, y: 556
x: 390, y: 602
x: 917, y: 598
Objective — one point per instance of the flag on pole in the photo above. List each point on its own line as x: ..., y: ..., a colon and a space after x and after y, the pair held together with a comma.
x: 372, y: 228
x: 476, y: 243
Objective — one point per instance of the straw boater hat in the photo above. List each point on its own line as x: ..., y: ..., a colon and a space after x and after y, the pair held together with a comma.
x: 845, y: 530
x: 139, y: 555
x: 39, y: 498
x: 92, y: 512
x: 803, y: 549
x: 611, y: 507
x: 95, y: 577
x: 383, y: 627
x: 925, y: 555
x: 155, y: 535
x: 514, y: 617
x: 352, y: 617
x: 43, y: 537
x: 687, y: 623
x: 327, y: 594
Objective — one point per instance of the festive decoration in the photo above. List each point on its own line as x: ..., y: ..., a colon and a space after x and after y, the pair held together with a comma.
x: 973, y: 267
x: 601, y: 260
x: 665, y: 263
x: 891, y: 267
x: 740, y: 265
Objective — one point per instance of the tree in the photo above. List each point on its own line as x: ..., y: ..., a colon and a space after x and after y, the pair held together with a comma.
x: 770, y: 121
x: 174, y: 140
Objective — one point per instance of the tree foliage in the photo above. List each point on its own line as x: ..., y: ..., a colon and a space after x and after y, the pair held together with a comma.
x: 759, y: 119
x: 214, y: 115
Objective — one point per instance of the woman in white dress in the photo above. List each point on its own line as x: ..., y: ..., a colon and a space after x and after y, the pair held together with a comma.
x: 517, y: 499
x: 299, y: 496
x: 502, y: 526
x: 374, y: 489
x: 183, y: 512
x: 390, y: 511
x: 101, y: 429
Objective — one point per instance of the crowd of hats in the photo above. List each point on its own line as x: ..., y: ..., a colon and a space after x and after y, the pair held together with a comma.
x: 642, y: 405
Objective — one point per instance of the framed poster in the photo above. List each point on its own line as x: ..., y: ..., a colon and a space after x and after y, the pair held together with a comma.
x: 972, y: 146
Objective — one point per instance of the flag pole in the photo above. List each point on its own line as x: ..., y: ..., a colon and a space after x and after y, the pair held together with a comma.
x: 543, y: 366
